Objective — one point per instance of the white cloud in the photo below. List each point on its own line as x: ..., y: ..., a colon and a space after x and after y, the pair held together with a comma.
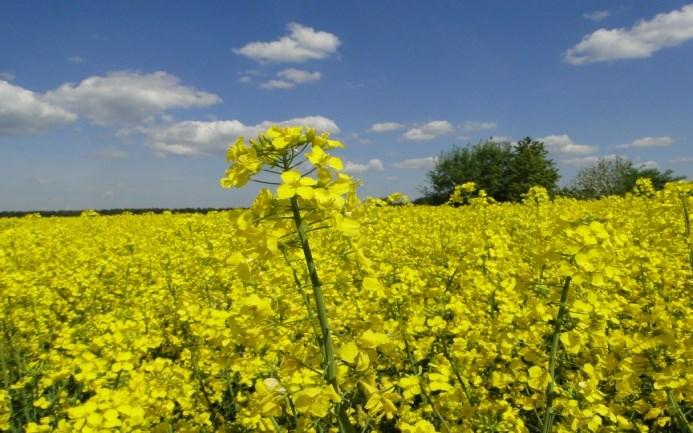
x: 277, y: 84
x: 372, y: 165
x: 250, y: 75
x: 75, y: 59
x: 500, y: 139
x: 24, y: 112
x: 563, y: 144
x: 7, y: 76
x: 596, y: 15
x: 385, y: 127
x: 661, y: 141
x: 357, y: 138
x: 320, y: 123
x: 299, y: 76
x: 642, y: 40
x: 127, y: 97
x: 301, y: 44
x: 417, y: 163
x: 429, y: 131
x: 290, y: 78
x: 111, y: 153
x: 588, y: 160
x: 470, y: 126
x: 194, y: 137
x: 199, y: 137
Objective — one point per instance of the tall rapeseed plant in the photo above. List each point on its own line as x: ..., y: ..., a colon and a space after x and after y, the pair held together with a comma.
x: 312, y: 193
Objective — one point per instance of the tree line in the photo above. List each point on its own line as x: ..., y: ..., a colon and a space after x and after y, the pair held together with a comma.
x: 507, y: 170
x: 115, y: 211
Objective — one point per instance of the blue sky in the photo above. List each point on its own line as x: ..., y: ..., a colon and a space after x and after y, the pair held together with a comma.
x: 131, y: 104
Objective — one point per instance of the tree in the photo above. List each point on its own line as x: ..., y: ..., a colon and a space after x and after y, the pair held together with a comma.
x: 530, y: 166
x: 614, y: 176
x: 503, y: 170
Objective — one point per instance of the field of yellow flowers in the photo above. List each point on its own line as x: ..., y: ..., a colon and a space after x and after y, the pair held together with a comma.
x: 550, y: 315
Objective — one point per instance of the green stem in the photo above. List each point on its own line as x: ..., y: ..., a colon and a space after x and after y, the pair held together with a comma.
x: 678, y: 413
x: 304, y: 296
x: 3, y: 363
x: 555, y: 338
x: 413, y: 363
x: 453, y: 365
x: 687, y: 226
x: 327, y: 345
x: 330, y: 369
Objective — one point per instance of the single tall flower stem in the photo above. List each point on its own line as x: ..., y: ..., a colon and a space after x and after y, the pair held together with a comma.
x: 327, y: 346
x: 687, y: 228
x: 553, y: 355
x: 678, y: 414
x: 328, y: 349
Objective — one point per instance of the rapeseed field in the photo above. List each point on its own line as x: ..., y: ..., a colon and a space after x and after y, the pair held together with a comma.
x: 313, y: 311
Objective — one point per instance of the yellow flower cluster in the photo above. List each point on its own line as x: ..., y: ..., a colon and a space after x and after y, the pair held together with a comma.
x: 443, y: 319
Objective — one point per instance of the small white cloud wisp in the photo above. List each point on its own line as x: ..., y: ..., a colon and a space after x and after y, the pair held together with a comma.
x: 303, y: 43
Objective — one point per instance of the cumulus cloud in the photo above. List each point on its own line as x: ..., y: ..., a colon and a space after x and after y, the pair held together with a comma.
x: 661, y: 141
x: 563, y: 144
x: 417, y: 163
x: 470, y: 126
x: 371, y: 165
x: 127, y: 97
x: 290, y: 78
x: 320, y: 123
x: 24, y: 112
x: 299, y: 76
x: 385, y: 127
x: 588, y: 160
x: 301, y: 44
x: 643, y: 39
x: 198, y: 137
x: 429, y: 131
x: 596, y: 15
x: 7, y: 76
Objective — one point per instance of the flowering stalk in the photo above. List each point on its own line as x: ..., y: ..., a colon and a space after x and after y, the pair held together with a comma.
x: 555, y: 338
x: 687, y: 226
x: 277, y: 151
x: 328, y: 347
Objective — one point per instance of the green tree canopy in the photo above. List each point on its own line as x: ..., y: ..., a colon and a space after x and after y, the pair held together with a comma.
x: 505, y: 171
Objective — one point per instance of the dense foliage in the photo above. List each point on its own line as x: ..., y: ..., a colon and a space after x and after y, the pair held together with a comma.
x: 615, y: 176
x: 505, y: 171
x: 563, y: 315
